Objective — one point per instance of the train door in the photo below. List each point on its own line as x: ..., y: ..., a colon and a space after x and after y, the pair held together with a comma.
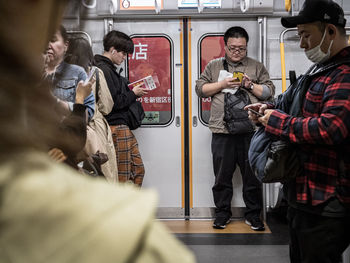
x: 157, y: 53
x: 206, y: 44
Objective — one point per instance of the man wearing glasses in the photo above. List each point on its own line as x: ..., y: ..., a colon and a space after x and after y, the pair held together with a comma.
x: 228, y: 149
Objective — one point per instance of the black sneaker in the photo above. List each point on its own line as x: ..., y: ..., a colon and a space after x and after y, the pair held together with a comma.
x: 220, y: 222
x: 255, y: 223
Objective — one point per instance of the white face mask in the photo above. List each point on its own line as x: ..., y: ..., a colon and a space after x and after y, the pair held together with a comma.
x: 316, y: 55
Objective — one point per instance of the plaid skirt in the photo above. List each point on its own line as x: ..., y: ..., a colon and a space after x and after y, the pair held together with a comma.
x: 130, y: 165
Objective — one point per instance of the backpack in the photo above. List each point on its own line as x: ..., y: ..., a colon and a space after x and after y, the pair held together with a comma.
x: 276, y: 160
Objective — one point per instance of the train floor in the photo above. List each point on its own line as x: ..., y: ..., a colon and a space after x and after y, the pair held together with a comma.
x: 237, y: 243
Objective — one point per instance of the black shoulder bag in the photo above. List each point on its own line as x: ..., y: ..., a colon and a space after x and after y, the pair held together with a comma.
x: 135, y: 111
x: 235, y: 117
x: 135, y: 115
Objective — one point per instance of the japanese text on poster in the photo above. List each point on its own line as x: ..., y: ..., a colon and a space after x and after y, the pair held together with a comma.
x: 152, y: 57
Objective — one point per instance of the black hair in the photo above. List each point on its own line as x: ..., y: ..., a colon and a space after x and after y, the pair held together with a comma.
x: 119, y: 40
x: 79, y: 53
x: 236, y: 32
x: 322, y: 26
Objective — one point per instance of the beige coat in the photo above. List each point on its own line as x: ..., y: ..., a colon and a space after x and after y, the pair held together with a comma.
x: 99, y: 132
x: 51, y: 213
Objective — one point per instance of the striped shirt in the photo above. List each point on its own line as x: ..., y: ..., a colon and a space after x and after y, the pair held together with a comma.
x: 322, y: 135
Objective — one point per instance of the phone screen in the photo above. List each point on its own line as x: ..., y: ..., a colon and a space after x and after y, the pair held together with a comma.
x: 91, y: 75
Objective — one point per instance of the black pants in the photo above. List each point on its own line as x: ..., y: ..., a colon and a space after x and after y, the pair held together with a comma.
x: 315, y: 238
x: 228, y: 151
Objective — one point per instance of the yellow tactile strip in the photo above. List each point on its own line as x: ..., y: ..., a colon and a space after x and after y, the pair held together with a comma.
x: 205, y: 227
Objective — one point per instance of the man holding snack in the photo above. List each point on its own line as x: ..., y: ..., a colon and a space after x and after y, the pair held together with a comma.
x: 248, y: 77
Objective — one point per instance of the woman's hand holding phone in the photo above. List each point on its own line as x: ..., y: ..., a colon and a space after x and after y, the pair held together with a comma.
x: 83, y: 90
x: 91, y: 76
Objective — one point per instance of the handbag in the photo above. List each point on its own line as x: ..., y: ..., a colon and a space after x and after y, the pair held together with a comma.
x: 235, y: 117
x: 135, y: 111
x: 135, y: 115
x: 92, y: 164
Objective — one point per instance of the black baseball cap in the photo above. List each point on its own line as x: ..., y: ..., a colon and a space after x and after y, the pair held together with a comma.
x: 317, y: 10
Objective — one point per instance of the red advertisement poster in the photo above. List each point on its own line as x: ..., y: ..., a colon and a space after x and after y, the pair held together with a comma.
x: 211, y: 47
x: 151, y: 57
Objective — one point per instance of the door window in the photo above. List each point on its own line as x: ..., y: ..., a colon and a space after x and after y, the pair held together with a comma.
x: 153, y: 57
x: 211, y: 47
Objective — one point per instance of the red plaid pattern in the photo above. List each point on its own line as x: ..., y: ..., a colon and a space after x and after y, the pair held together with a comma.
x: 323, y: 134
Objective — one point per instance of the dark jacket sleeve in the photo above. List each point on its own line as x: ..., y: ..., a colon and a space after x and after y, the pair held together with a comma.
x: 122, y: 96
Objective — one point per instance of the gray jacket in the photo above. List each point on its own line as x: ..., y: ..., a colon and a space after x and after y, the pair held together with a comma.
x: 254, y: 69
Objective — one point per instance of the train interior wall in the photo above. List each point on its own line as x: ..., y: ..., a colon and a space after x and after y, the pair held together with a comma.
x: 167, y: 145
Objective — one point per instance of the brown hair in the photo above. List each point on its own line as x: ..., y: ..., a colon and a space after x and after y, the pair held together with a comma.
x: 79, y: 53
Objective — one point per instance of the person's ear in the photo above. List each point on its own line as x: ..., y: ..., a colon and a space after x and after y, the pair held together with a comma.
x: 111, y: 50
x: 332, y: 31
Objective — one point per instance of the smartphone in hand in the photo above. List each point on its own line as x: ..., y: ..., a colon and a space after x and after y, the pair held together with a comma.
x: 255, y: 112
x: 91, y: 75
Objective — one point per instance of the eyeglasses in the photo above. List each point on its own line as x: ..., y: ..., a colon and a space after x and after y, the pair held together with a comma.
x: 233, y: 49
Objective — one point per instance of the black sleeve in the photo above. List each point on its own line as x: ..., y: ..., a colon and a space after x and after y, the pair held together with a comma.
x: 122, y: 96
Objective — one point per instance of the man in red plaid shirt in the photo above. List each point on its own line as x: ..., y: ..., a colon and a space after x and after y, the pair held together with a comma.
x: 319, y: 198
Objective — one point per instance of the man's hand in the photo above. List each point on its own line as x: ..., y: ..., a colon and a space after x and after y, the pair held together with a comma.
x: 265, y: 119
x: 246, y: 81
x: 229, y: 83
x: 261, y: 109
x: 257, y: 107
x: 139, y: 92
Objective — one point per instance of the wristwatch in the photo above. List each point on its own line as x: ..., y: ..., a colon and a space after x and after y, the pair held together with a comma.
x: 251, y: 87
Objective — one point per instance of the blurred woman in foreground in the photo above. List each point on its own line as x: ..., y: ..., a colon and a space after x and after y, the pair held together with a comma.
x: 48, y: 212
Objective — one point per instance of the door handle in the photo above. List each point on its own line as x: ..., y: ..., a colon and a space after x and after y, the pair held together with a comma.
x: 194, y: 121
x: 177, y: 121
